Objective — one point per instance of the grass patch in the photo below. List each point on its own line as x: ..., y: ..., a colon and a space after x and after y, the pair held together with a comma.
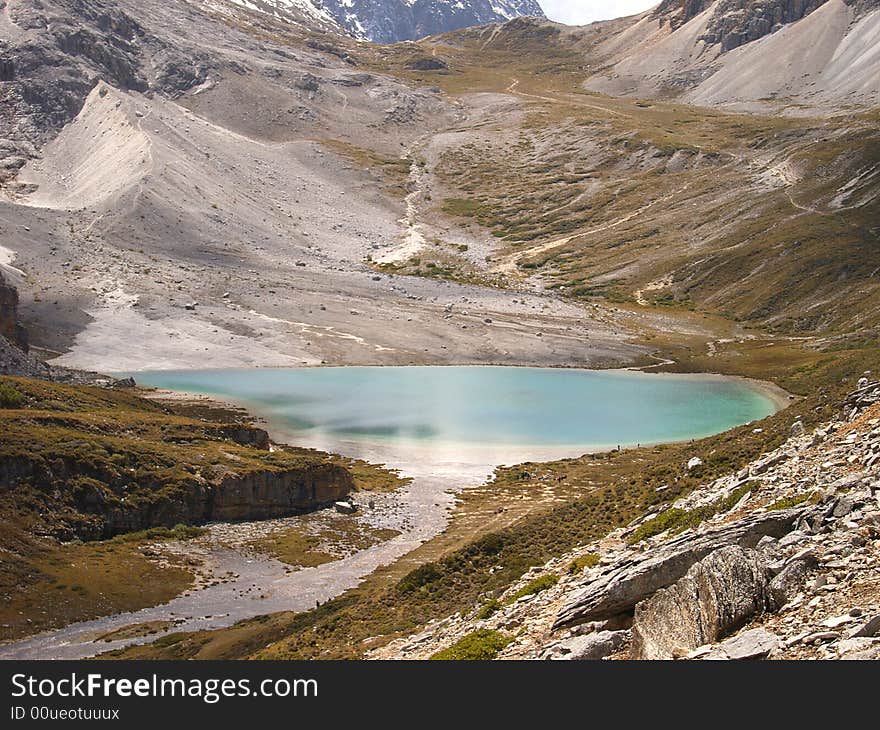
x: 10, y: 396
x: 488, y: 609
x: 305, y: 547
x: 578, y: 565
x: 480, y: 645
x: 677, y: 520
x: 45, y: 586
x: 534, y: 587
x: 794, y: 501
x: 178, y: 532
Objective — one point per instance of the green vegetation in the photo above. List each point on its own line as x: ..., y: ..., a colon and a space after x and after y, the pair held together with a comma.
x: 86, y: 463
x: 589, y: 560
x: 44, y: 585
x: 488, y: 609
x: 10, y: 397
x: 481, y: 645
x: 677, y: 520
x: 178, y: 532
x: 130, y: 455
x: 324, y: 542
x: 394, y: 170
x: 534, y: 587
x: 795, y: 500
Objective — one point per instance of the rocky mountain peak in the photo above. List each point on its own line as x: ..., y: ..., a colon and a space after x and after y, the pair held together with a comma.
x: 389, y: 21
x: 734, y: 23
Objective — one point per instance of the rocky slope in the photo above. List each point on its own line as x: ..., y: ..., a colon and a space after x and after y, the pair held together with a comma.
x: 780, y: 562
x: 10, y: 327
x: 224, y: 239
x: 746, y: 53
x: 733, y: 23
x: 14, y: 358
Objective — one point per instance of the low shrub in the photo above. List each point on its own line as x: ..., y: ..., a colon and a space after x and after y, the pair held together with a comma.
x: 480, y: 645
x: 10, y: 397
x: 590, y: 560
x: 536, y: 586
x: 488, y: 609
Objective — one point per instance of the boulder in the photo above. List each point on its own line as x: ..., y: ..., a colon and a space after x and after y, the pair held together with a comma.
x: 752, y: 644
x: 790, y: 580
x: 716, y: 596
x: 591, y: 647
x: 345, y: 507
x: 427, y: 63
x: 633, y: 578
x: 868, y: 629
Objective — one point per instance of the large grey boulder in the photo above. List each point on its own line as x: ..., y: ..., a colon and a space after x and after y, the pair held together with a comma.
x: 715, y: 597
x: 752, y: 644
x: 625, y: 583
x: 591, y: 647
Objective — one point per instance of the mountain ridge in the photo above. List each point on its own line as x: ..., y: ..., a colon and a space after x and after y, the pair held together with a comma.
x: 390, y: 21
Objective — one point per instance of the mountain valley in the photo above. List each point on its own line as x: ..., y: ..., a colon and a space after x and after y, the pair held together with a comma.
x: 209, y: 184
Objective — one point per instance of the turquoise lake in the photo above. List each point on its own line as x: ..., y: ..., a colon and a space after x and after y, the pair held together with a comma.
x: 480, y: 406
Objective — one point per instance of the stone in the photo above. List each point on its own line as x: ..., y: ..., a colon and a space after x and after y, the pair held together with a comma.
x: 821, y: 637
x: 618, y: 587
x: 752, y: 644
x: 345, y: 508
x: 718, y: 595
x: 837, y: 621
x: 792, y: 538
x: 694, y: 463
x: 797, y: 429
x: 789, y: 581
x: 869, y: 628
x: 858, y: 649
x: 843, y: 507
x: 591, y: 647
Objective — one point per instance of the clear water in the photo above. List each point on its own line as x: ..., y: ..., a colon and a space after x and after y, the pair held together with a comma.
x: 480, y: 406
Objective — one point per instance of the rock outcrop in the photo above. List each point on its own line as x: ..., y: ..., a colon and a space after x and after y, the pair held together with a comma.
x: 717, y: 596
x: 105, y: 509
x: 624, y: 584
x: 10, y: 327
x: 591, y: 647
x: 390, y: 21
x: 736, y: 22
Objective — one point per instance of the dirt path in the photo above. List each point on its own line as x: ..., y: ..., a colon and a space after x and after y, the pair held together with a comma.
x: 569, y: 102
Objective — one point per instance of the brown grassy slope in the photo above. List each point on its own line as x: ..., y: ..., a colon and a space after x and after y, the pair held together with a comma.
x: 766, y: 220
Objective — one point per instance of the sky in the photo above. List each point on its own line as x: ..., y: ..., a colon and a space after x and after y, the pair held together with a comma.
x: 581, y: 12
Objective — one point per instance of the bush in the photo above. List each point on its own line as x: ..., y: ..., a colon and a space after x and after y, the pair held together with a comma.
x: 178, y: 532
x: 795, y: 500
x: 488, y: 609
x: 589, y: 560
x: 536, y: 586
x: 481, y: 645
x: 10, y: 397
x: 677, y: 520
x: 419, y: 578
